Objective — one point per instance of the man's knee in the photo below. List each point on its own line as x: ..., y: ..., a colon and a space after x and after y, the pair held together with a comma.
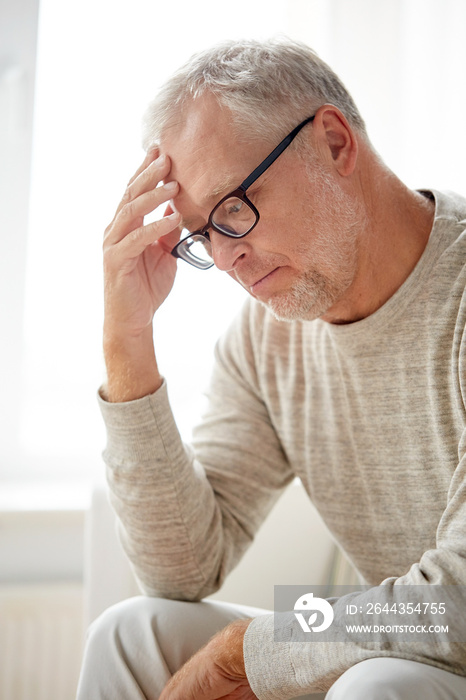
x: 390, y: 678
x: 124, y: 656
x: 122, y: 626
x: 379, y: 679
x: 157, y: 627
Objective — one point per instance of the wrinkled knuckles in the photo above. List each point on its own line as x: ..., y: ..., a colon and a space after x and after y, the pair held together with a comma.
x: 127, y: 194
x: 127, y: 212
x: 135, y: 236
x: 108, y: 237
x: 110, y: 260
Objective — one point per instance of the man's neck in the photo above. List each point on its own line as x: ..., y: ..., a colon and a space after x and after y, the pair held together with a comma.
x: 399, y: 222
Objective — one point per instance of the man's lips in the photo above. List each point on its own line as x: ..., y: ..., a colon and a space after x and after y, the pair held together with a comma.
x: 261, y: 282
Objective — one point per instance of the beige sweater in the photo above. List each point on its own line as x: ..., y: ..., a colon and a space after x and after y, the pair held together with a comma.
x: 371, y: 416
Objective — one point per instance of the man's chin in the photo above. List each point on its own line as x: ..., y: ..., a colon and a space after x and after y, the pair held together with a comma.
x: 284, y: 308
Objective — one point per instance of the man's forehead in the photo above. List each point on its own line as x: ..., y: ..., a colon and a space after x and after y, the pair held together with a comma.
x: 205, y: 152
x: 205, y: 170
x: 206, y: 178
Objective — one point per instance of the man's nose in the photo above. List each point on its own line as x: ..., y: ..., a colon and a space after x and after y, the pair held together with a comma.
x: 227, y: 251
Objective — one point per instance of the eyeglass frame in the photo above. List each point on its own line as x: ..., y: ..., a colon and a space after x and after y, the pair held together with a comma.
x: 240, y: 193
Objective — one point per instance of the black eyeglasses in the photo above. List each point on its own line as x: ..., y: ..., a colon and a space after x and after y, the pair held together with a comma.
x: 234, y: 215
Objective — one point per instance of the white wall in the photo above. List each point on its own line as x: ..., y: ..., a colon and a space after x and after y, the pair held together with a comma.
x: 99, y: 63
x: 18, y: 39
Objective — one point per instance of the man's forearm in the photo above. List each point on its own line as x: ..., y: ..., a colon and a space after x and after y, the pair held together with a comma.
x: 132, y: 370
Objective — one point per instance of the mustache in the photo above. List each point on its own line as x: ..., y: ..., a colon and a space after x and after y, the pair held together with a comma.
x: 254, y: 270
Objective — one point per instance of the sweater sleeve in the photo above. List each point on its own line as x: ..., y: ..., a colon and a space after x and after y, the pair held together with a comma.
x: 290, y: 667
x: 187, y: 513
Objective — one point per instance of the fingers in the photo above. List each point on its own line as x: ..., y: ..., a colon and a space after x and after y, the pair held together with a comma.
x: 138, y: 270
x: 127, y: 237
x: 131, y: 215
x: 169, y: 241
x: 136, y: 242
x: 151, y: 172
x: 151, y: 155
x: 143, y: 195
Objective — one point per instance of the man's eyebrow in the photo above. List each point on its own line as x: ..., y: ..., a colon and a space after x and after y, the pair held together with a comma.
x: 228, y: 184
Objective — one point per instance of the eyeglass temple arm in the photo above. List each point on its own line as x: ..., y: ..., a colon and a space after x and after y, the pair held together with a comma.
x: 267, y: 162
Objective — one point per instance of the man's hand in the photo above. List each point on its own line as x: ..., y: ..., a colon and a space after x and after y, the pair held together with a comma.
x: 216, y: 671
x: 139, y: 273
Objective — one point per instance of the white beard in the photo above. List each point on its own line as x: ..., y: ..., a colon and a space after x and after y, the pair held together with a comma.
x: 330, y: 260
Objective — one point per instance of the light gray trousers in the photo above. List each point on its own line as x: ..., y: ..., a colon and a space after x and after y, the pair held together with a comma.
x: 136, y: 646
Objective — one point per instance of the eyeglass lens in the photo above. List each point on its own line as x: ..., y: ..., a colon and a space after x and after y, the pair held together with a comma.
x: 233, y: 217
x: 196, y: 249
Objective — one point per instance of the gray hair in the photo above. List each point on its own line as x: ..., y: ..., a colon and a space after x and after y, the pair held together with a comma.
x: 268, y: 87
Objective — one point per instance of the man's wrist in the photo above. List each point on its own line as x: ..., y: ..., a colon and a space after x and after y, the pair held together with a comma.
x: 132, y: 371
x: 230, y: 657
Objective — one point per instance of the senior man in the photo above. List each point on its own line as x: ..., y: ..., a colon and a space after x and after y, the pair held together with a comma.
x: 345, y: 368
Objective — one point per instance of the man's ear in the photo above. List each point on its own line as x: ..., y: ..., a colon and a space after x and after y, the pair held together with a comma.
x: 337, y: 137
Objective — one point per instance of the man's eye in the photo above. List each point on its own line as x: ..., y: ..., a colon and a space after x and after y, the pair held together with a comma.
x: 234, y: 207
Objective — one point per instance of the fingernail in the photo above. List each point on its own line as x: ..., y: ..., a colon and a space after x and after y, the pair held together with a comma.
x: 161, y: 160
x: 170, y: 186
x: 174, y: 216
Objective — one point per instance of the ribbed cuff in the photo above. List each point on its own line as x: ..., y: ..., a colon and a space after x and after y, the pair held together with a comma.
x: 138, y: 429
x: 269, y: 668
